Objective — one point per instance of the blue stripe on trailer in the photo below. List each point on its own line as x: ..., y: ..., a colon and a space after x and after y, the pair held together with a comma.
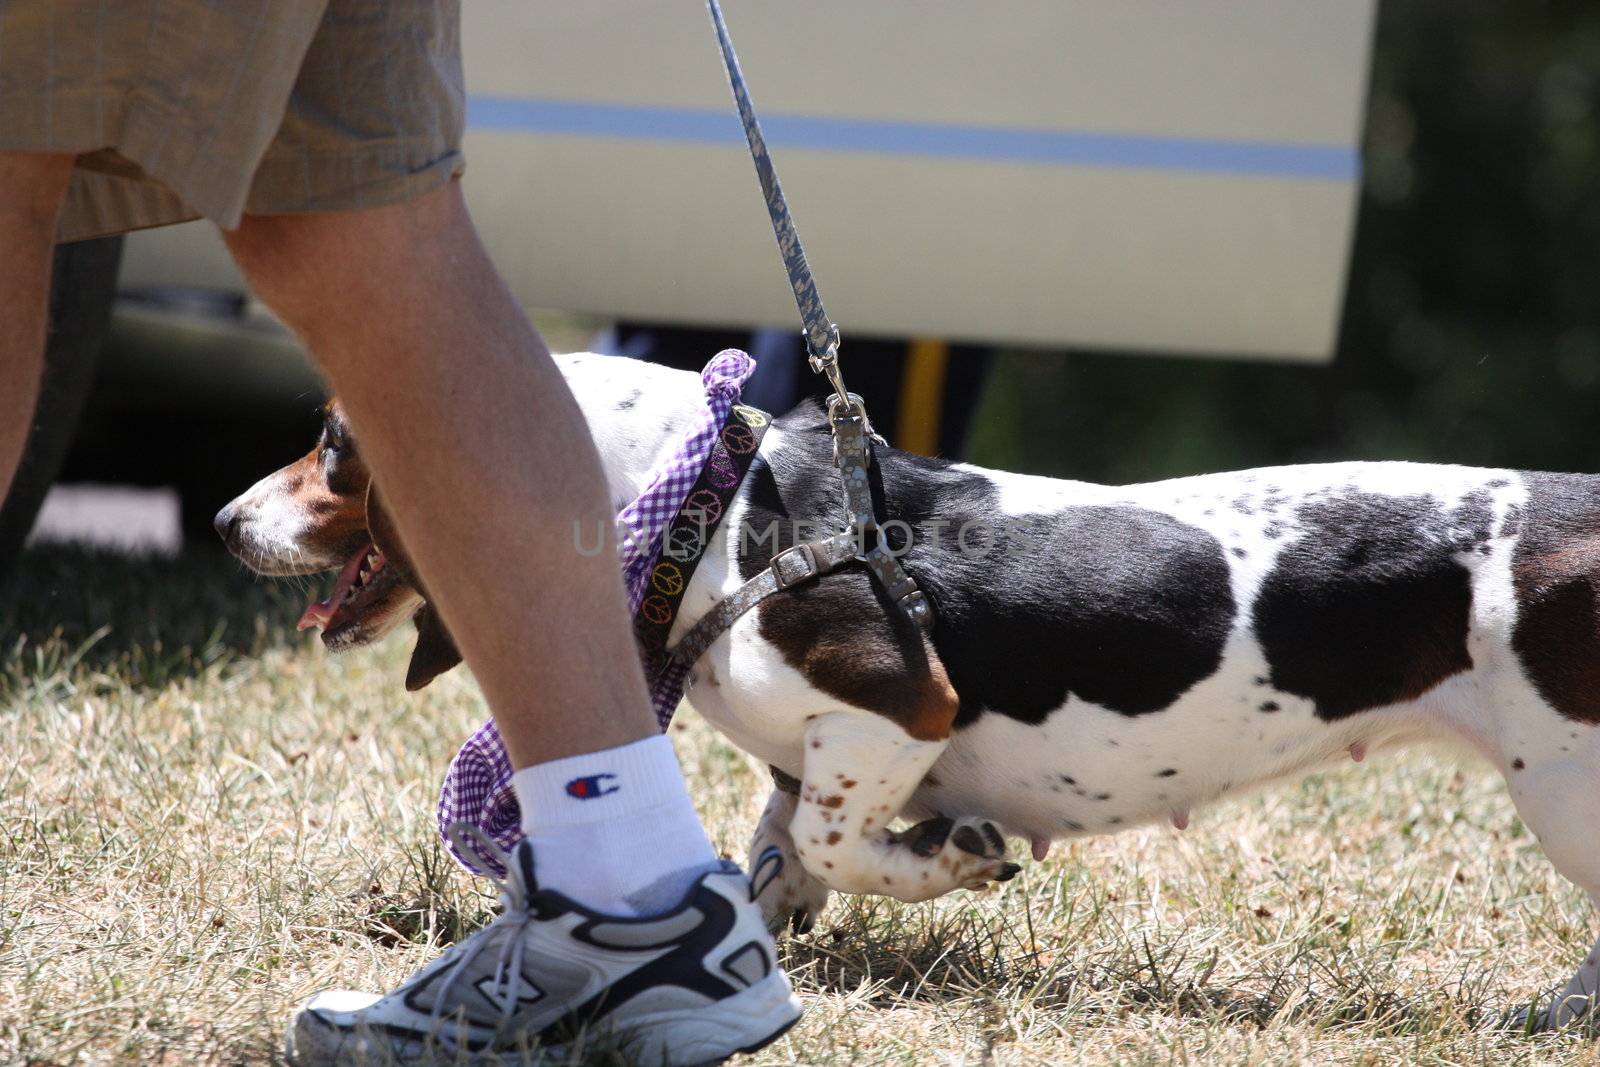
x: 884, y: 137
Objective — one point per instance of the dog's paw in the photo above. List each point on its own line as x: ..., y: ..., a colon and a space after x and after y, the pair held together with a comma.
x: 968, y: 852
x: 788, y: 895
x: 1559, y: 1014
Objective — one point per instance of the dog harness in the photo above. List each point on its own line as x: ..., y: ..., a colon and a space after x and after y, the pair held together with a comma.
x: 861, y: 539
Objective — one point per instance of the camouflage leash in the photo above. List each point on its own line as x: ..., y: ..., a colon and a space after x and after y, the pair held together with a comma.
x: 847, y: 416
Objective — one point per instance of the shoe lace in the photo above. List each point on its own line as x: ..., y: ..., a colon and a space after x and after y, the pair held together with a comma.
x: 472, y: 844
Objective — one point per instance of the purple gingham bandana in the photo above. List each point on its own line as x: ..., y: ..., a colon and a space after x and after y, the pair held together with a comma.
x: 477, y: 787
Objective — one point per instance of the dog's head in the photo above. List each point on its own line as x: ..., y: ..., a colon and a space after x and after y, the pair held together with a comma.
x: 323, y: 513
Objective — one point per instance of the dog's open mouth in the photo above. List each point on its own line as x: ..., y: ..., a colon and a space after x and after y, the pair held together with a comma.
x: 362, y: 585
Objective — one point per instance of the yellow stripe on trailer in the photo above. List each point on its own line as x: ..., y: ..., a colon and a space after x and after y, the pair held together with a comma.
x: 922, y: 396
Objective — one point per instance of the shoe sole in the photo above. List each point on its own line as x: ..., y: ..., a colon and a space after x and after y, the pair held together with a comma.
x: 759, y: 1045
x: 717, y: 1032
x: 702, y: 1037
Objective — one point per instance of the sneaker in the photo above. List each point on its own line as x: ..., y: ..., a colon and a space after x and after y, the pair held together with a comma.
x: 691, y: 986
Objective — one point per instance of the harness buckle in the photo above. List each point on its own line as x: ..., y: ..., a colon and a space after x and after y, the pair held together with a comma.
x: 794, y: 565
x: 917, y: 608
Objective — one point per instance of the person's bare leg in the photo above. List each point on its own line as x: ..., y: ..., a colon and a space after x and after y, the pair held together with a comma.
x: 480, y: 451
x: 486, y: 462
x: 32, y: 186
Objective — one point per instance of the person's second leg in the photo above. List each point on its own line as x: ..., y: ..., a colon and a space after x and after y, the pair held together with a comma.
x: 486, y: 464
x: 32, y: 186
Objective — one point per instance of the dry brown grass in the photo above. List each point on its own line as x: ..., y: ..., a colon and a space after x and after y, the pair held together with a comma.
x: 196, y: 835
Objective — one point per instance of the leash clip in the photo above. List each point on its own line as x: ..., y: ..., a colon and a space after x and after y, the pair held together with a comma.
x: 826, y: 362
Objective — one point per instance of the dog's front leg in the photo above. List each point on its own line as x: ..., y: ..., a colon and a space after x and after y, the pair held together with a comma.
x: 794, y: 895
x: 860, y: 771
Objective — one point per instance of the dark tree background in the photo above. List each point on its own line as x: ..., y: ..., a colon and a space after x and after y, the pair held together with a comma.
x: 1471, y: 326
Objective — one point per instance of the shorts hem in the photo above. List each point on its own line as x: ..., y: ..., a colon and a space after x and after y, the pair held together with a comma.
x: 371, y: 180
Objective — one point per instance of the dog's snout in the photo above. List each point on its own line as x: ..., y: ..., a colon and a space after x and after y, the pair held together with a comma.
x: 225, y: 523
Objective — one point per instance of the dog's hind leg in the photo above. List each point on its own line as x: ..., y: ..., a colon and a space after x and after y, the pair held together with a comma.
x: 860, y: 771
x: 793, y: 895
x: 1558, y: 802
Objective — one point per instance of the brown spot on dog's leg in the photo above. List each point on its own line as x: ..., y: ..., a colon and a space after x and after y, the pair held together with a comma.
x: 834, y: 837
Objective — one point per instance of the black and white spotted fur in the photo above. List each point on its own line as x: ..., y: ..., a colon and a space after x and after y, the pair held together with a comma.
x: 1123, y: 655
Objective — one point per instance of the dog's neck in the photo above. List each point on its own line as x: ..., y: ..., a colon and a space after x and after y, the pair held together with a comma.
x: 636, y: 412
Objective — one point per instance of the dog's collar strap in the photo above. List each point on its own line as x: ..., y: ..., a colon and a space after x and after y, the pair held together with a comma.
x: 684, y: 545
x: 799, y: 563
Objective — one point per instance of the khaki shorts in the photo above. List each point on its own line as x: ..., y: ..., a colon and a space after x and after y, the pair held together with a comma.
x: 185, y: 108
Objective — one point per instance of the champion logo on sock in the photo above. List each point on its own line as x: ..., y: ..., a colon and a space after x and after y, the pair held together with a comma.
x: 592, y: 785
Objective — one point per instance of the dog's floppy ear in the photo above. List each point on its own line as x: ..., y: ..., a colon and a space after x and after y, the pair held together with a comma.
x: 436, y: 651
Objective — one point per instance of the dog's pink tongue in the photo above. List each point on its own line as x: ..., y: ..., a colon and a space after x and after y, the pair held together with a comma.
x: 316, y: 615
x: 321, y: 613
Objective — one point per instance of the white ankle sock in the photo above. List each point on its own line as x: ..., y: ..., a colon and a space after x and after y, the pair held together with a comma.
x: 614, y: 830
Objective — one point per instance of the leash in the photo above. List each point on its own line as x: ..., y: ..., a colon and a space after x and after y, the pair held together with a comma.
x: 847, y: 417
x: 822, y: 336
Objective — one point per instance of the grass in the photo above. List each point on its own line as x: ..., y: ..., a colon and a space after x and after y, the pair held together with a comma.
x: 204, y: 818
